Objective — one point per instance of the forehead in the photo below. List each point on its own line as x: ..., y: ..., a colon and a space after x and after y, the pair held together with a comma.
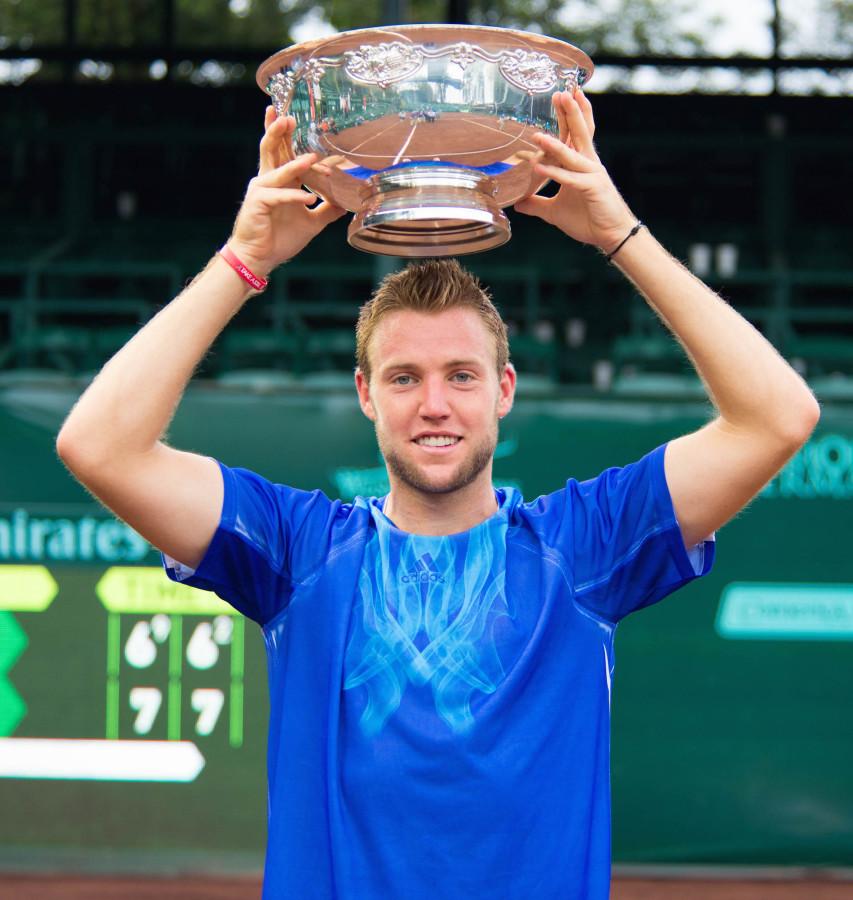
x: 407, y: 336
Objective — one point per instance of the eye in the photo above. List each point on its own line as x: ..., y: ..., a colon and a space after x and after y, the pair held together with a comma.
x: 401, y: 380
x: 465, y: 377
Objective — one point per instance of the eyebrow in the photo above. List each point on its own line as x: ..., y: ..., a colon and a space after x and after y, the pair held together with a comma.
x: 453, y: 364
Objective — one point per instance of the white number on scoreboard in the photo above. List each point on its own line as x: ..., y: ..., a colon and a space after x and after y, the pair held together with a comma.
x: 146, y: 702
x: 208, y: 703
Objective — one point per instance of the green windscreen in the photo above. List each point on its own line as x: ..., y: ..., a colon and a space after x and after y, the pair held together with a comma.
x: 133, y: 710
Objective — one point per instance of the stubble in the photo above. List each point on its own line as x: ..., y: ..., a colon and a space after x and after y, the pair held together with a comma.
x: 465, y: 473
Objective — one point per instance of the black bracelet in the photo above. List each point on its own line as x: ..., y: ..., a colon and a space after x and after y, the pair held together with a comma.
x: 631, y: 233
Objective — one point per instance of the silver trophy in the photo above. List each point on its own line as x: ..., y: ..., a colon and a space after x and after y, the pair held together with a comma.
x: 423, y: 131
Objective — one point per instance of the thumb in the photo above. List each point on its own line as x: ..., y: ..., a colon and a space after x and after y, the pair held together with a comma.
x: 325, y: 213
x: 535, y: 206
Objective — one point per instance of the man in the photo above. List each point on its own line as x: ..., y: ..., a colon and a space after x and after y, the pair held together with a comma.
x: 440, y: 658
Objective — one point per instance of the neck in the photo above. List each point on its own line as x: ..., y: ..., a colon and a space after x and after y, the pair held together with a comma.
x: 419, y: 512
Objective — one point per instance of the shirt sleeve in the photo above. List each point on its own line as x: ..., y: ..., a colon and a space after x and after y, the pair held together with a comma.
x: 628, y: 550
x: 267, y: 537
x: 622, y: 539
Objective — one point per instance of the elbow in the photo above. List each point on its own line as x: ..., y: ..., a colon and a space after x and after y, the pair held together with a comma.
x: 814, y: 413
x: 67, y: 449
x: 77, y: 455
x: 63, y: 445
x: 802, y: 422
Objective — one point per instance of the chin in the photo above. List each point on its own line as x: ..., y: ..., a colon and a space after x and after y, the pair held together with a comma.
x: 445, y: 485
x: 438, y: 477
x: 421, y: 479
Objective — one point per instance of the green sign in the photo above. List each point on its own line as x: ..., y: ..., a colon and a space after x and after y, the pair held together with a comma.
x: 823, y: 467
x: 26, y: 588
x: 24, y: 537
x: 12, y: 644
x: 146, y: 589
x: 816, y: 612
x: 124, y: 677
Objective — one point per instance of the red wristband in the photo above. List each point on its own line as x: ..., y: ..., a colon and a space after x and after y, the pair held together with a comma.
x: 248, y: 276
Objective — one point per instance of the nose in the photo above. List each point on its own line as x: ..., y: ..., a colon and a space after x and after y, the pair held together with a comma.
x: 434, y: 403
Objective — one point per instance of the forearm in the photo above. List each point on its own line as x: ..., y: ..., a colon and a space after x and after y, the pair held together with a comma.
x: 751, y: 385
x: 129, y: 405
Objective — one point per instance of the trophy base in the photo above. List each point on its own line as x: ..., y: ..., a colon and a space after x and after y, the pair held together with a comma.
x: 429, y: 209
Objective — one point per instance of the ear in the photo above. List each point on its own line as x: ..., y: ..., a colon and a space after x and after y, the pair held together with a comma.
x: 364, y: 401
x: 507, y: 390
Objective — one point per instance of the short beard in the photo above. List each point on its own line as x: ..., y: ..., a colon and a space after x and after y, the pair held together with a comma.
x: 468, y: 471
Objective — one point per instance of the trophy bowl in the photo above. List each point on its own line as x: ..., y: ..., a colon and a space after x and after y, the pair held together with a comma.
x: 423, y: 131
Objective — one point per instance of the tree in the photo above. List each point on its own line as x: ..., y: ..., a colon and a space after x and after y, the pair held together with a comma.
x: 610, y: 26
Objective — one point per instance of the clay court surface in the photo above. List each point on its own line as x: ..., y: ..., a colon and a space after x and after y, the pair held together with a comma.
x: 388, y: 140
x: 75, y: 888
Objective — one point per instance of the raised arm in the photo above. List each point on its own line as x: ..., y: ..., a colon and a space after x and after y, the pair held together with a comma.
x: 112, y: 438
x: 766, y: 411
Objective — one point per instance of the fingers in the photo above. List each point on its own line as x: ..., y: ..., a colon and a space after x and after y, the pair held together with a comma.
x: 276, y: 143
x: 328, y: 164
x: 270, y: 143
x: 586, y: 109
x: 561, y: 175
x: 287, y: 173
x: 577, y: 125
x: 562, y: 121
x: 326, y: 212
x: 558, y: 152
x: 541, y: 207
x: 272, y: 196
x: 323, y: 167
x: 531, y: 156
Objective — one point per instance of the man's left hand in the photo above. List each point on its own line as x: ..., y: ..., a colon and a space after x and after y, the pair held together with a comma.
x: 587, y: 207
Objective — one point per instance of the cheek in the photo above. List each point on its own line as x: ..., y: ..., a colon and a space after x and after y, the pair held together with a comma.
x: 390, y: 416
x: 487, y: 405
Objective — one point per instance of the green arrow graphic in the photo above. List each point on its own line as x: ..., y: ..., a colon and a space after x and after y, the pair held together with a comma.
x: 26, y: 588
x: 146, y: 589
x: 12, y: 644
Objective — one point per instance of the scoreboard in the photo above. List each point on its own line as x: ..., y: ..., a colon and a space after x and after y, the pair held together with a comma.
x: 166, y: 647
x: 114, y: 680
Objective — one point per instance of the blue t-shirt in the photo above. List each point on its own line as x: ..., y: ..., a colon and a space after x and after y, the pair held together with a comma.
x: 440, y: 706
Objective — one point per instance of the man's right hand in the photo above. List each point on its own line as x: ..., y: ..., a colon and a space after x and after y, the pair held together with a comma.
x: 112, y: 440
x: 277, y: 218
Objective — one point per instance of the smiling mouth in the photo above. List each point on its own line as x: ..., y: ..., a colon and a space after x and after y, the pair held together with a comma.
x: 437, y: 441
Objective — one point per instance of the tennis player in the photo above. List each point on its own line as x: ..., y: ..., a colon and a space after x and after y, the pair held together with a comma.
x: 440, y: 658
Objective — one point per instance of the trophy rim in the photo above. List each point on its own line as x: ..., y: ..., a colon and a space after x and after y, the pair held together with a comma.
x: 545, y: 43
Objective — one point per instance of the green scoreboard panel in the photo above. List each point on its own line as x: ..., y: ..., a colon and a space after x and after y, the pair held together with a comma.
x: 123, y: 714
x: 158, y: 634
x: 133, y: 710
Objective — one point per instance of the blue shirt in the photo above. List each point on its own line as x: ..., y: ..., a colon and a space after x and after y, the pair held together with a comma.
x: 440, y: 706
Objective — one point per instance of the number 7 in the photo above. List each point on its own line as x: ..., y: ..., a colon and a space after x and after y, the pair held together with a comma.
x: 208, y: 703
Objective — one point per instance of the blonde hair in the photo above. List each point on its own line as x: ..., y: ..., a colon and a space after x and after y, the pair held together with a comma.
x: 429, y: 286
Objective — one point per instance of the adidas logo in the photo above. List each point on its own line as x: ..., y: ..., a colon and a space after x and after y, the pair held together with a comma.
x: 423, y: 573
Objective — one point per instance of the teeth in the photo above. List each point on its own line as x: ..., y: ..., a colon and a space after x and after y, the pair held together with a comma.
x: 437, y: 441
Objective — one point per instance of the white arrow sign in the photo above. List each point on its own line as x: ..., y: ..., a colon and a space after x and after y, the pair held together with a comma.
x: 92, y: 760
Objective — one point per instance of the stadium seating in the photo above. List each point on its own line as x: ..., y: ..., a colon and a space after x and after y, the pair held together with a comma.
x: 94, y: 251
